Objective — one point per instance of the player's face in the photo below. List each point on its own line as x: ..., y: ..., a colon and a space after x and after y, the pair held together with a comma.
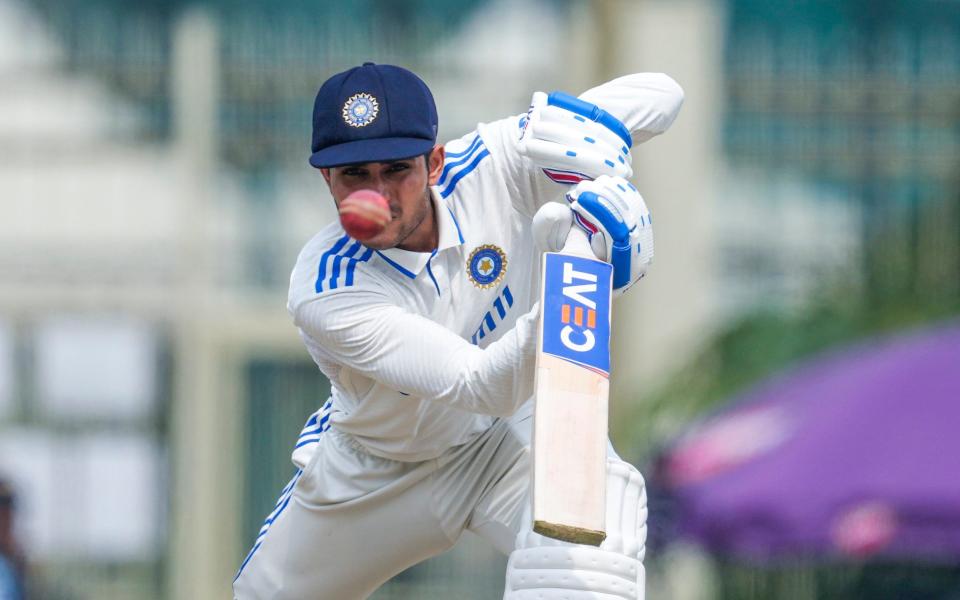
x: 405, y: 185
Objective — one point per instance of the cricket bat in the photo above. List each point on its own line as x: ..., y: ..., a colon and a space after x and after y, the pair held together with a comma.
x: 572, y: 388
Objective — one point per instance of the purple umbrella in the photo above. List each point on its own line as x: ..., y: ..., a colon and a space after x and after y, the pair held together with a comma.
x: 854, y: 453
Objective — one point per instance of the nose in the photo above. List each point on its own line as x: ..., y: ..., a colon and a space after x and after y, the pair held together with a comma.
x: 378, y: 185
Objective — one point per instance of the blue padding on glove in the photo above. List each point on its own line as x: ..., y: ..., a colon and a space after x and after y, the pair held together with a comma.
x: 611, y: 223
x: 621, y: 264
x: 590, y: 111
x: 613, y: 226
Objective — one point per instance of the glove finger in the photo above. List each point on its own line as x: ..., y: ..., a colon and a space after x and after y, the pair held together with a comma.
x: 598, y: 210
x: 612, y: 192
x: 529, y: 121
x: 538, y: 100
x: 556, y: 156
x: 575, y: 139
x: 624, y: 198
x: 582, y: 128
x: 619, y: 183
x: 640, y: 210
x: 591, y: 112
x: 587, y: 185
x: 600, y: 245
x: 646, y: 246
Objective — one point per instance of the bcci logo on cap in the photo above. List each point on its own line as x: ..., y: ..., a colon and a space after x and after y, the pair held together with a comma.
x: 360, y: 110
x: 576, y: 315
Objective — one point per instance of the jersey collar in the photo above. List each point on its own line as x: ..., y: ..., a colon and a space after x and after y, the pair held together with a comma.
x: 449, y: 235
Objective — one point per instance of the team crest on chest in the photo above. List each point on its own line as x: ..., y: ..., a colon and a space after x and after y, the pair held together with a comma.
x: 486, y: 266
x: 360, y: 110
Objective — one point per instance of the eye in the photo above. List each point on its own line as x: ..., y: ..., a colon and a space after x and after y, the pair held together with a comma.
x: 354, y: 172
x: 397, y: 167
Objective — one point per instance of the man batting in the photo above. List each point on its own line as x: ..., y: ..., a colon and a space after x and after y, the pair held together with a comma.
x: 427, y: 332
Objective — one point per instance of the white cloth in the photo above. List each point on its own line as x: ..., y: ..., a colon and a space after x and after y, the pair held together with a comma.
x: 350, y: 521
x: 420, y: 354
x: 427, y: 354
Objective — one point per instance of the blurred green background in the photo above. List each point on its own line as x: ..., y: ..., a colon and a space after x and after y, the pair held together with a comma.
x: 155, y: 192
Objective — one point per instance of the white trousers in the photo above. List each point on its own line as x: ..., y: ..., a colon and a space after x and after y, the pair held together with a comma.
x: 351, y: 521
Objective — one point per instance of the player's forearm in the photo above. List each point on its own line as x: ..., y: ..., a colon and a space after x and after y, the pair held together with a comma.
x: 498, y: 379
x: 418, y: 357
x: 647, y: 103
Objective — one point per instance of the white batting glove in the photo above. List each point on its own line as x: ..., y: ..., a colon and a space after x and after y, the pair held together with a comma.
x: 617, y: 221
x: 573, y: 140
x: 551, y: 225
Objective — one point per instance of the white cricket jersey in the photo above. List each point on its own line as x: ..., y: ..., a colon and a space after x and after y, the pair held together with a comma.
x: 423, y: 350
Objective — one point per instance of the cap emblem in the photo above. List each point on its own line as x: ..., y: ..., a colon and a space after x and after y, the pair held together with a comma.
x: 360, y: 110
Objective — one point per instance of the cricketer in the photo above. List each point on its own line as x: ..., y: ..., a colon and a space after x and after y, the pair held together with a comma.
x: 428, y: 334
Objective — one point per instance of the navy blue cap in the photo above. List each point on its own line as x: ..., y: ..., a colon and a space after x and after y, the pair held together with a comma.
x: 372, y: 113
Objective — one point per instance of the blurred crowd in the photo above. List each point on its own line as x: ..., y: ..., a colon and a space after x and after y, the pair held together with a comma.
x: 12, y: 560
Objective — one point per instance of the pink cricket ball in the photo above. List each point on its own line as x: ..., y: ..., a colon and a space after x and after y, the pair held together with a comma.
x: 364, y: 214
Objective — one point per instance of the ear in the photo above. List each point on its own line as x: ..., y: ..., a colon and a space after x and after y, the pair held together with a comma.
x: 326, y: 175
x: 435, y: 164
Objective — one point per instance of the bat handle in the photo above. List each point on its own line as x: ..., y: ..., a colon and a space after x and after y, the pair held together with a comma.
x: 578, y: 243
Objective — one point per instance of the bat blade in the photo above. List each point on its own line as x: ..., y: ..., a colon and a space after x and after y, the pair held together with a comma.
x: 572, y: 388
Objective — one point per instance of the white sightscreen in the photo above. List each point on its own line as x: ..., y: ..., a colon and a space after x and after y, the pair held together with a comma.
x: 95, y: 367
x: 94, y: 497
x: 6, y: 370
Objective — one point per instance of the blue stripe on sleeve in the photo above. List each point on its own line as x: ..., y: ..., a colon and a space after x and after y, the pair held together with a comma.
x: 323, y: 262
x: 469, y: 149
x: 336, y: 272
x: 450, y: 165
x: 338, y: 260
x: 352, y: 265
x: 456, y: 178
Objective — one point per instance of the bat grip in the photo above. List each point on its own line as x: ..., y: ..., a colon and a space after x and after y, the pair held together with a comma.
x: 577, y: 243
